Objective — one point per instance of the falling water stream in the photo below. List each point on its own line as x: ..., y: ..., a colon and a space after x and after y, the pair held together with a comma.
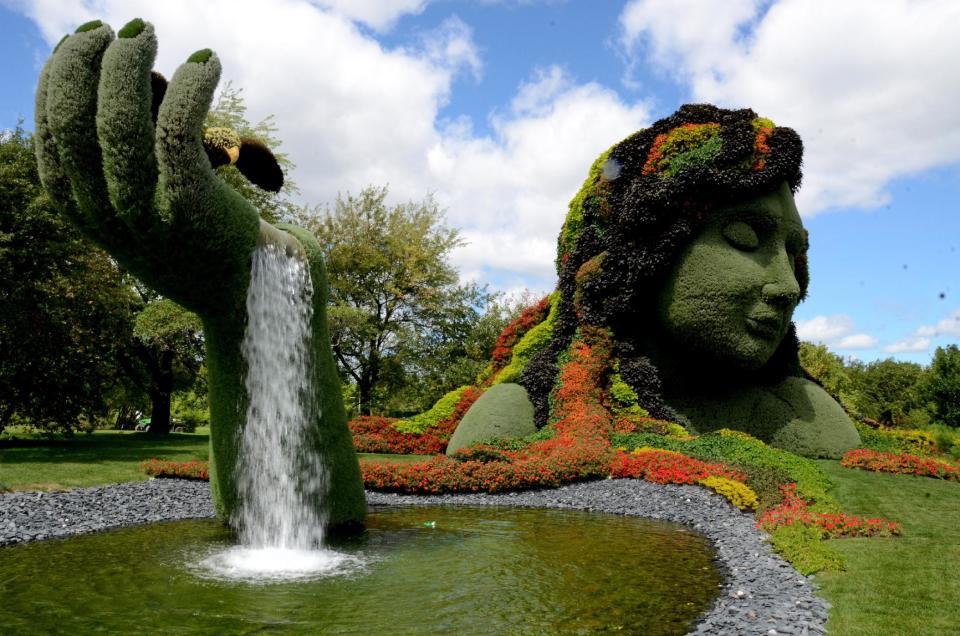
x: 281, y: 478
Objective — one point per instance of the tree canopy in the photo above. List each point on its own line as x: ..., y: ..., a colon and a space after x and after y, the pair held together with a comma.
x: 65, y: 311
x: 397, y: 308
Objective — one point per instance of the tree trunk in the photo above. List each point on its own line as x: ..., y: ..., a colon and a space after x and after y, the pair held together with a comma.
x: 364, y: 390
x: 160, y: 394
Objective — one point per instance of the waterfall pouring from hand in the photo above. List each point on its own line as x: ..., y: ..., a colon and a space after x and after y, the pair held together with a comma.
x: 281, y: 478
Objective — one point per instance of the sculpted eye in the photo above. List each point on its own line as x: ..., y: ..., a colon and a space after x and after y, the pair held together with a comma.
x: 741, y: 236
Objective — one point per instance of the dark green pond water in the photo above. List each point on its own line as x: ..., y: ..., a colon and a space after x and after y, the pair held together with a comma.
x: 476, y: 571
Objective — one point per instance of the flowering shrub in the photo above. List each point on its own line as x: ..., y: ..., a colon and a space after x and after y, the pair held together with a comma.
x: 504, y: 348
x: 737, y: 493
x: 555, y: 463
x: 578, y: 449
x: 895, y: 440
x: 194, y: 469
x: 440, y: 411
x: 667, y: 467
x: 374, y: 434
x: 532, y: 342
x: 766, y: 468
x: 795, y: 510
x: 902, y: 463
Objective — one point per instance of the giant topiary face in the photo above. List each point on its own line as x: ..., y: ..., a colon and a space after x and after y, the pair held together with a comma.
x: 731, y: 294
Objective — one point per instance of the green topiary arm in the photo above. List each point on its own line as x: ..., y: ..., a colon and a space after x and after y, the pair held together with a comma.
x: 148, y: 195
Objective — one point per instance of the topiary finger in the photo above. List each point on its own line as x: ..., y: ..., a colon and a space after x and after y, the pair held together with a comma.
x: 52, y: 177
x: 71, y: 108
x: 125, y: 125
x: 187, y: 182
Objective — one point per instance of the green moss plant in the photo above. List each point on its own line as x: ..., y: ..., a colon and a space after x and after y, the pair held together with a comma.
x: 503, y: 411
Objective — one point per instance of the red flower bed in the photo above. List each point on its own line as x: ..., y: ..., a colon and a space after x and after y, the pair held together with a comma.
x: 512, y: 333
x: 522, y: 469
x: 668, y: 467
x: 194, y: 469
x: 794, y: 510
x: 375, y: 434
x: 903, y: 464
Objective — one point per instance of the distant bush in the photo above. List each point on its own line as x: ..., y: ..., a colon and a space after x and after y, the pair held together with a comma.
x: 194, y: 469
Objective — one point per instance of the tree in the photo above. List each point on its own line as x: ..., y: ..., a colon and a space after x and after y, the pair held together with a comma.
x: 886, y: 390
x: 828, y: 369
x: 169, y: 347
x: 943, y: 385
x: 65, y: 311
x: 395, y: 301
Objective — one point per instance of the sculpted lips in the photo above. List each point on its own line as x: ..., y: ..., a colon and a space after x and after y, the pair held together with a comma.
x: 769, y: 326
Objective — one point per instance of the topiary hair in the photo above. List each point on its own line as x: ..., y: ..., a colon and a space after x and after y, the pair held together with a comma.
x: 643, y: 201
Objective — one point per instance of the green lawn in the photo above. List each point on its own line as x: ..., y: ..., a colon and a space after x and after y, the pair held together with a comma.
x: 904, y: 585
x: 104, y: 457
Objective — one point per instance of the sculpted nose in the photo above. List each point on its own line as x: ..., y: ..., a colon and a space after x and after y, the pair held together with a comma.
x: 782, y: 289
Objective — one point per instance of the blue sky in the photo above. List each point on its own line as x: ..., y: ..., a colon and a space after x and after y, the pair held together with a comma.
x: 497, y: 108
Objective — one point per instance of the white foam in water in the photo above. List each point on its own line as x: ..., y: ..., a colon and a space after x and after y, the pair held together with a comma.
x: 267, y: 565
x: 281, y: 478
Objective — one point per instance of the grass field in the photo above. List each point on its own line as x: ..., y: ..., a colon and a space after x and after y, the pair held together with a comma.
x: 899, y: 586
x: 103, y: 457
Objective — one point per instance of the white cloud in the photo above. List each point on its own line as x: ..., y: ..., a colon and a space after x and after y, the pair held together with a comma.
x: 834, y: 331
x: 856, y: 341
x: 949, y: 326
x: 377, y: 14
x: 871, y: 87
x: 824, y: 328
x: 451, y: 45
x: 909, y: 345
x: 510, y: 191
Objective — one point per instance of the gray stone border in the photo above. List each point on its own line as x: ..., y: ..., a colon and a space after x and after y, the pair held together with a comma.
x: 763, y: 594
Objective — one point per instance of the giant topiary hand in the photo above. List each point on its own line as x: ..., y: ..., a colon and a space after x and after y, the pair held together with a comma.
x: 147, y: 194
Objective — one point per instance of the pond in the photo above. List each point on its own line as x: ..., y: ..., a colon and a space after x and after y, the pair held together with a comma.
x: 424, y: 570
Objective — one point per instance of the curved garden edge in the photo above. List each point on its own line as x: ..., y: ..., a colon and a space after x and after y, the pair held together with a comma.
x: 762, y: 592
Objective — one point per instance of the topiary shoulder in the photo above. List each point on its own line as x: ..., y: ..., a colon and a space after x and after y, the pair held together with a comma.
x: 795, y: 414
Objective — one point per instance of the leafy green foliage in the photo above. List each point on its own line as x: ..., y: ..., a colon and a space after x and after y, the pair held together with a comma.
x: 529, y: 345
x: 801, y: 546
x: 65, y: 312
x: 395, y: 300
x: 886, y: 390
x: 441, y: 410
x: 828, y: 369
x: 944, y: 385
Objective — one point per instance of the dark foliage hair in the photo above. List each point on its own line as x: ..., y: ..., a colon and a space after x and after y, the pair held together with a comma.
x: 644, y: 200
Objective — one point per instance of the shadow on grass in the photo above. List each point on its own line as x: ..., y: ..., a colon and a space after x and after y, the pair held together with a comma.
x: 100, y: 447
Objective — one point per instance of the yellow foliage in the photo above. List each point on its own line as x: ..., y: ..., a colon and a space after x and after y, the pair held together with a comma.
x: 647, y: 449
x: 737, y: 493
